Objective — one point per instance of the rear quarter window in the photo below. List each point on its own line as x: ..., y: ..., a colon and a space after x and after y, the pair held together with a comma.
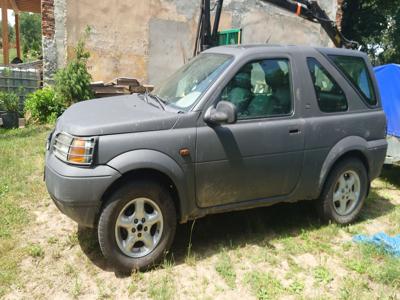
x: 356, y: 71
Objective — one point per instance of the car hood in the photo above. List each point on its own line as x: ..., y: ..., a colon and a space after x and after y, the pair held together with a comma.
x: 113, y: 115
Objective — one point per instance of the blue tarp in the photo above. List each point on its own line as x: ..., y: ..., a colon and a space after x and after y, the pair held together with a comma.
x: 388, y: 77
x: 390, y: 244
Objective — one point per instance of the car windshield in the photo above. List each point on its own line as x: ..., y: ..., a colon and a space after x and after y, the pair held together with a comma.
x: 185, y: 86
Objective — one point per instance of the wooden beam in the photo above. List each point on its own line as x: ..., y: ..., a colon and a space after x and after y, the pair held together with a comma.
x: 14, y: 6
x: 23, y: 5
x: 4, y: 24
x: 17, y: 36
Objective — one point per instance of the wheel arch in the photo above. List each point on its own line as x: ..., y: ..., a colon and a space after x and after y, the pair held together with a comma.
x: 349, y: 147
x: 150, y: 165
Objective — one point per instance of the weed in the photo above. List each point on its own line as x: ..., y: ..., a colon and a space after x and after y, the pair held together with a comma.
x: 52, y: 240
x: 77, y: 288
x: 162, y: 288
x: 35, y: 250
x: 72, y: 240
x: 69, y: 270
x: 136, y: 277
x: 225, y: 269
x: 322, y: 275
x: 190, y: 258
x: 264, y: 285
x: 296, y: 287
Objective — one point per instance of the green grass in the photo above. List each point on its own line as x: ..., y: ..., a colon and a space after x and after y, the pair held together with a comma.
x: 21, y: 163
x: 12, y: 54
x: 162, y: 288
x: 375, y: 264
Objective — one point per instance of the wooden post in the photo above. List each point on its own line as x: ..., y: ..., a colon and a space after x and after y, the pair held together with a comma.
x: 4, y: 24
x: 17, y: 36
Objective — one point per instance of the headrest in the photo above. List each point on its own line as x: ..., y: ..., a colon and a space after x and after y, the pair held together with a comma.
x: 274, y: 76
x: 242, y: 80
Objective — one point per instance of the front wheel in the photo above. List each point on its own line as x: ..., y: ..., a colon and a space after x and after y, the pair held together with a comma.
x: 344, y: 192
x: 137, y: 226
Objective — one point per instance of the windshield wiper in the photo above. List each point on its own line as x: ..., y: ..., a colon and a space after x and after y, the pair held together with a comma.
x: 160, y: 101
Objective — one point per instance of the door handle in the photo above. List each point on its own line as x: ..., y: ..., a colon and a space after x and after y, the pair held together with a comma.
x: 294, y: 131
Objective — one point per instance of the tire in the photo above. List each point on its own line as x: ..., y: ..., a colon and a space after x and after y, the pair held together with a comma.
x: 111, y: 235
x: 347, y: 208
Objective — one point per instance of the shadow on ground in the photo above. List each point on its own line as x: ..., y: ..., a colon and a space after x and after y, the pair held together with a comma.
x: 237, y: 229
x: 391, y: 174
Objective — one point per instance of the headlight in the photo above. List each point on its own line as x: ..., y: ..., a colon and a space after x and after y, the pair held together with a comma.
x: 74, y: 150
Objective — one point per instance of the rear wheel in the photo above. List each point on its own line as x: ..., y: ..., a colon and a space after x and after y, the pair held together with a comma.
x: 137, y: 226
x: 344, y: 192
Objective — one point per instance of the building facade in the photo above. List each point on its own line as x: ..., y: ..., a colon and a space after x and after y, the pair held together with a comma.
x: 149, y: 39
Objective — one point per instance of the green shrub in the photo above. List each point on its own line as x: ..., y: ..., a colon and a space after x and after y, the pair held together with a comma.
x: 9, y: 101
x: 43, y: 106
x: 72, y: 83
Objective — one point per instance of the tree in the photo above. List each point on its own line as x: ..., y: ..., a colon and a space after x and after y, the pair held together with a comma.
x: 11, y: 33
x: 375, y: 24
x: 72, y: 83
x: 31, y: 34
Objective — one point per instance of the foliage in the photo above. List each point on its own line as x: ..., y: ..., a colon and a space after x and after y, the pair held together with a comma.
x: 11, y: 33
x: 72, y: 83
x: 43, y: 106
x: 31, y: 34
x: 9, y: 101
x: 375, y: 24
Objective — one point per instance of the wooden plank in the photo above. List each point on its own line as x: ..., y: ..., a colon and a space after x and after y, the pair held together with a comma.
x: 17, y: 36
x: 132, y: 82
x: 4, y: 24
x: 23, y: 5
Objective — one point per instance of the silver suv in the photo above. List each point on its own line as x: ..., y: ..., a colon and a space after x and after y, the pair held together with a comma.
x: 235, y: 128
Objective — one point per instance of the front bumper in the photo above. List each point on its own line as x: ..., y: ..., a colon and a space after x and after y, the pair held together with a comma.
x: 77, y: 191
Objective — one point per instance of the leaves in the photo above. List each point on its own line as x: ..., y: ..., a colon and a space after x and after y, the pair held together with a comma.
x: 43, y: 106
x: 375, y: 24
x: 9, y: 101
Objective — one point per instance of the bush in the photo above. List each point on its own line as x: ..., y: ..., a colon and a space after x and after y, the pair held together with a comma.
x: 43, y: 106
x: 72, y: 83
x: 9, y: 101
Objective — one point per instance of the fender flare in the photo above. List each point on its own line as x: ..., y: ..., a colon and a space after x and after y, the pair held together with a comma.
x: 346, y: 145
x: 155, y: 160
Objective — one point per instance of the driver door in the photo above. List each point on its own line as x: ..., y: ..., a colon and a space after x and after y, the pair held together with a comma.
x: 259, y: 156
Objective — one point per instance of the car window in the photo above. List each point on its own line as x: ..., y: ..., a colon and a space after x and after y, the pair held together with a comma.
x: 185, y: 86
x: 330, y: 96
x: 261, y: 89
x: 355, y: 69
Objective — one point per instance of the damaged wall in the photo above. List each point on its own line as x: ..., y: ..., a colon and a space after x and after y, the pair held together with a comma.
x: 148, y: 39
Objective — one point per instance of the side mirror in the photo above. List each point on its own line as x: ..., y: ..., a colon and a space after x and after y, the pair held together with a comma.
x: 225, y: 112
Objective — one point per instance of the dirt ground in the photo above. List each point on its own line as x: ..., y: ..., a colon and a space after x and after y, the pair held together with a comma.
x: 279, y: 252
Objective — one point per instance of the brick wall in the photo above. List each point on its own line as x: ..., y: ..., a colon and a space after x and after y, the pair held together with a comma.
x: 48, y: 24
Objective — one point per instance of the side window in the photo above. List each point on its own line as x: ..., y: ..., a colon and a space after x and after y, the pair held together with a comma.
x: 355, y: 69
x: 261, y: 89
x: 330, y: 96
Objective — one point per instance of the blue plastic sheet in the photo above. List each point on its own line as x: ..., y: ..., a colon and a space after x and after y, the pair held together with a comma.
x: 388, y: 77
x: 390, y: 244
